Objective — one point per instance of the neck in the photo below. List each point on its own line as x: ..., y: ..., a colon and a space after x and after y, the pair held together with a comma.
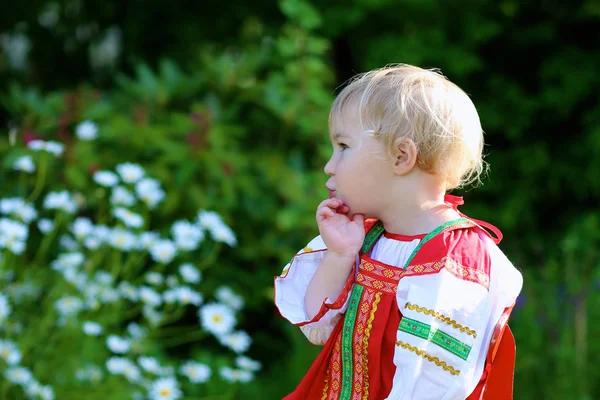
x: 422, y: 211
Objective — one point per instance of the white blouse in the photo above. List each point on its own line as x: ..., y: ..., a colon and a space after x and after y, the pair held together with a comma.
x: 465, y: 303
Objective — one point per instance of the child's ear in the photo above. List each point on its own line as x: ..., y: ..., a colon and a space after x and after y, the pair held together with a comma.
x: 404, y: 155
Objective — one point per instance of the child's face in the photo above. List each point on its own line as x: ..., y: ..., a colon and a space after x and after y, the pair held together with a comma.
x: 360, y: 169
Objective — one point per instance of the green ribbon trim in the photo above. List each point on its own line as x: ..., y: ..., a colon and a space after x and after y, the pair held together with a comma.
x: 372, y: 237
x: 347, y: 337
x: 436, y: 336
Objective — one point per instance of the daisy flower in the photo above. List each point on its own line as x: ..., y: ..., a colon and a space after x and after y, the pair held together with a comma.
x: 217, y: 318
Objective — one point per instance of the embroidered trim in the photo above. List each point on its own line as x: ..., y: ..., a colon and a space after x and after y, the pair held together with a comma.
x: 366, y: 343
x: 376, y: 284
x: 377, y: 270
x: 442, y: 318
x: 456, y: 269
x: 372, y: 236
x: 335, y: 369
x: 442, y: 339
x: 428, y: 357
x: 347, y: 336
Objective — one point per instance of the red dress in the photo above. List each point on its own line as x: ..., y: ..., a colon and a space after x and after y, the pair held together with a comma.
x: 371, y: 337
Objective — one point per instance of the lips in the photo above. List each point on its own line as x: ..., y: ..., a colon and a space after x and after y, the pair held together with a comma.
x: 331, y: 193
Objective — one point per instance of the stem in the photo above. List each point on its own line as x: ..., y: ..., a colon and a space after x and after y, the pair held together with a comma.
x: 191, y: 337
x: 41, y: 178
x: 48, y: 239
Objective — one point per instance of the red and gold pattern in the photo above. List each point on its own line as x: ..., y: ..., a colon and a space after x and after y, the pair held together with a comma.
x: 335, y: 372
x: 375, y: 284
x: 360, y: 356
x: 380, y: 277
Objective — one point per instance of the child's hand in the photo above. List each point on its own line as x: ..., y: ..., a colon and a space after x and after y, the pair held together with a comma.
x: 342, y: 236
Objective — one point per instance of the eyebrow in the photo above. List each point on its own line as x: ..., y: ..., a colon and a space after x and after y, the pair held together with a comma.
x: 338, y: 135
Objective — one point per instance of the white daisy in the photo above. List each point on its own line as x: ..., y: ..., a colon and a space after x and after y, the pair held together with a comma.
x: 235, y: 375
x: 147, y: 240
x: 18, y: 208
x: 117, y: 365
x: 90, y: 373
x: 130, y: 173
x: 129, y: 218
x: 150, y: 296
x: 68, y: 306
x: 150, y: 364
x: 136, y: 331
x: 195, y: 372
x: 123, y: 240
x: 106, y: 178
x: 155, y: 278
x: 132, y: 372
x: 117, y: 344
x: 9, y: 352
x: 225, y: 295
x: 217, y: 318
x: 36, y: 145
x: 24, y: 163
x: 18, y: 375
x: 13, y: 235
x: 149, y: 191
x: 223, y: 233
x: 183, y: 295
x: 208, y: 219
x: 62, y: 200
x: 189, y: 273
x: 49, y: 146
x: 55, y: 148
x: 82, y: 228
x: 66, y: 242
x: 121, y: 196
x: 187, y: 235
x: 109, y: 295
x: 34, y: 389
x: 247, y: 363
x: 163, y: 251
x: 165, y: 389
x: 92, y: 328
x: 104, y: 278
x: 128, y: 291
x: 45, y: 225
x: 238, y: 341
x: 5, y: 308
x: 87, y: 130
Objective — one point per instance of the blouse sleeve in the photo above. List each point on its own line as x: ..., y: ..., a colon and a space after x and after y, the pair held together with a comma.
x: 449, y: 308
x: 290, y: 290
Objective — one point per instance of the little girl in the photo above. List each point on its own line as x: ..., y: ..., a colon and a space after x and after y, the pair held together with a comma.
x: 403, y: 290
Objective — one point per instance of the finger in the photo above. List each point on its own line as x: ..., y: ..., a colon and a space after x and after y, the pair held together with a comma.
x: 343, y: 209
x: 325, y: 212
x: 333, y: 201
x: 358, y: 218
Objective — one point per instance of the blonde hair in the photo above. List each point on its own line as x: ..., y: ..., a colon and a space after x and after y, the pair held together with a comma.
x: 423, y: 105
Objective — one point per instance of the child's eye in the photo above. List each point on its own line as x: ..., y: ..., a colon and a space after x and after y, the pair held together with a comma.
x: 343, y: 146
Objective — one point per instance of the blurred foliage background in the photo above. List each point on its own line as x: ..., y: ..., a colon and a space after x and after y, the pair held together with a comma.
x: 227, y: 104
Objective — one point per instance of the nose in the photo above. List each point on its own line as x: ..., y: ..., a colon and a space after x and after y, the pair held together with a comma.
x: 329, y: 167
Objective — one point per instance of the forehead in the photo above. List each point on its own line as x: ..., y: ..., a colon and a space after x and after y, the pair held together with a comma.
x: 344, y: 121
